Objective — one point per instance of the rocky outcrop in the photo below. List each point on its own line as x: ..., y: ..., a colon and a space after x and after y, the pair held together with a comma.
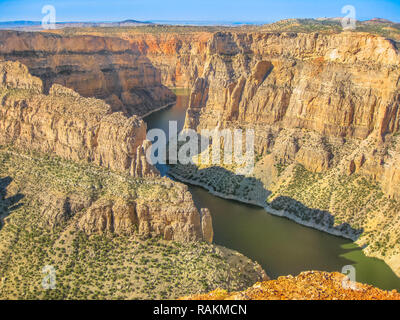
x: 178, y: 53
x: 105, y: 215
x: 180, y: 221
x: 335, y: 87
x: 312, y: 285
x: 16, y: 75
x: 58, y: 123
x: 107, y: 68
x: 180, y: 57
x: 206, y: 225
x: 171, y: 218
x: 343, y: 85
x: 326, y: 115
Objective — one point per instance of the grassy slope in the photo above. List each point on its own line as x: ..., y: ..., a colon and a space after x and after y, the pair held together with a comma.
x: 331, y: 199
x: 100, y: 266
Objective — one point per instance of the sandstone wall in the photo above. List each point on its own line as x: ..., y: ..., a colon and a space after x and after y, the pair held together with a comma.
x: 86, y: 130
x: 329, y: 102
x: 180, y: 57
x: 305, y: 95
x: 343, y: 85
x: 107, y: 68
x: 68, y: 125
x: 171, y: 218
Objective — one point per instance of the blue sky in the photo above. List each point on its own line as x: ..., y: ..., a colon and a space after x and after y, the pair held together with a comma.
x: 200, y: 10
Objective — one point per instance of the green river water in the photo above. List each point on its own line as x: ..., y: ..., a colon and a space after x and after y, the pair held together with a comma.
x: 281, y: 246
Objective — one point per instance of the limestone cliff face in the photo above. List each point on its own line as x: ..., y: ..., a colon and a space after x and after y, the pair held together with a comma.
x: 166, y: 211
x: 326, y: 115
x: 340, y: 86
x: 86, y: 130
x: 206, y: 225
x: 68, y: 125
x: 343, y: 85
x: 180, y: 57
x: 107, y: 68
x: 64, y: 195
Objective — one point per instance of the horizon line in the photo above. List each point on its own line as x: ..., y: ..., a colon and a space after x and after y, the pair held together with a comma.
x: 192, y: 20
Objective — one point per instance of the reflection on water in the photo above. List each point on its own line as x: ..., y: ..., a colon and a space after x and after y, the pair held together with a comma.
x: 284, y: 247
x: 160, y: 120
x: 281, y: 246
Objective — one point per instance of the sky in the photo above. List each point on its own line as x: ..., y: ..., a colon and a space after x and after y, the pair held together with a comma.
x: 200, y: 10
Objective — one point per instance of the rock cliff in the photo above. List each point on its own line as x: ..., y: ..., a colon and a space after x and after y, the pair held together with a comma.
x: 177, y: 53
x: 103, y: 233
x: 180, y: 57
x: 107, y: 68
x: 68, y: 125
x: 326, y: 115
x: 343, y: 85
x: 86, y: 131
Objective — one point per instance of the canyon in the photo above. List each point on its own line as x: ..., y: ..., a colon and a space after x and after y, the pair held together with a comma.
x: 325, y: 110
x: 324, y: 107
x: 57, y: 124
x: 75, y: 182
x: 106, y: 68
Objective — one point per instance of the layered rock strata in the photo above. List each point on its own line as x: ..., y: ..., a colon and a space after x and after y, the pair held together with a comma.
x: 326, y: 115
x: 86, y: 131
x: 343, y: 85
x: 107, y: 68
x: 178, y: 53
x: 68, y: 125
x: 166, y: 210
x: 180, y: 57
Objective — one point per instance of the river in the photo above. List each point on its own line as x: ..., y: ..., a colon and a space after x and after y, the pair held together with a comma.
x: 279, y: 245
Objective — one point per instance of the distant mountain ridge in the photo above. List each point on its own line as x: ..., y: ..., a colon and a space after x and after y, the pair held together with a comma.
x: 26, y: 25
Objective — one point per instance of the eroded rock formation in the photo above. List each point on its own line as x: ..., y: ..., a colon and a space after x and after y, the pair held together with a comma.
x: 337, y: 87
x: 328, y: 103
x: 107, y: 68
x: 171, y: 218
x: 86, y: 130
x: 180, y: 57
x: 68, y: 125
x: 343, y: 85
x: 206, y: 225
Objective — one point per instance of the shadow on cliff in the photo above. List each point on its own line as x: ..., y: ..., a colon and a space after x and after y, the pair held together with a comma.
x: 252, y: 191
x: 293, y: 206
x: 281, y: 247
x: 135, y: 88
x: 8, y: 205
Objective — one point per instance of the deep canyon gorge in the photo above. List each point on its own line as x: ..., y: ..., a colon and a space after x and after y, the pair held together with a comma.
x: 324, y: 107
